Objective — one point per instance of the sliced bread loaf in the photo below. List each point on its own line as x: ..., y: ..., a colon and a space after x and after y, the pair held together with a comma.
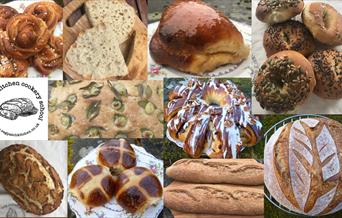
x: 117, y: 13
x: 96, y: 54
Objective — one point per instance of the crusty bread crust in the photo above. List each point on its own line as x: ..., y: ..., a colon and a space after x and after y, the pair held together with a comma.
x: 21, y: 167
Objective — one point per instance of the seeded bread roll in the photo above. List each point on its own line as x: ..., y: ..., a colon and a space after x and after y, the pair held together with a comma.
x: 224, y: 171
x: 324, y: 22
x: 327, y: 66
x: 277, y: 11
x: 284, y: 81
x: 31, y: 181
x: 290, y: 35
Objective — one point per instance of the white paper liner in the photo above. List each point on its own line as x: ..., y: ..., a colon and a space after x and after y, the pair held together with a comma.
x: 112, y: 209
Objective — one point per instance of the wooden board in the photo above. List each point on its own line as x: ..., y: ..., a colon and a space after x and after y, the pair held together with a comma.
x: 136, y: 59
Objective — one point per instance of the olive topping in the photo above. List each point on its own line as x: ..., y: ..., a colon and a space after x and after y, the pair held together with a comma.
x: 66, y: 120
x: 91, y: 90
x: 53, y: 129
x: 146, y: 133
x: 120, y: 120
x: 118, y: 105
x: 94, y: 131
x: 93, y: 110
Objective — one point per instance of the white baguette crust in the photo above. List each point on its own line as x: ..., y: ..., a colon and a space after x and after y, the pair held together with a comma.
x: 117, y: 14
x: 224, y: 171
x: 96, y: 54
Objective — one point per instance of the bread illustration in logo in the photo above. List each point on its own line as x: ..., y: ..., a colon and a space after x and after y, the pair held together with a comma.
x: 15, y: 107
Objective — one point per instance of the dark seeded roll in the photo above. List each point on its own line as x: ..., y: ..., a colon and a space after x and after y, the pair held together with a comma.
x: 277, y: 11
x: 290, y: 35
x: 327, y: 66
x: 284, y: 81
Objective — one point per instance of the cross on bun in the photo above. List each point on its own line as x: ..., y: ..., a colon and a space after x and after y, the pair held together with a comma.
x: 116, y: 154
x: 324, y: 22
x: 277, y: 11
x: 195, y: 38
x: 93, y: 185
x: 137, y: 188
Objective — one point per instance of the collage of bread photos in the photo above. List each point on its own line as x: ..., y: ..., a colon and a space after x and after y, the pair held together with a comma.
x: 171, y: 108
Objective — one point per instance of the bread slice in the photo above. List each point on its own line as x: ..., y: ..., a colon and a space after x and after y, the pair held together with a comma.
x: 96, y: 54
x: 115, y: 13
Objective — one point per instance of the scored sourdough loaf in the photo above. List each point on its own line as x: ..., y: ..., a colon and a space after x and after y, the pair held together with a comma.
x: 32, y: 182
x: 177, y: 214
x: 224, y: 199
x: 96, y: 54
x: 117, y: 13
x: 228, y: 171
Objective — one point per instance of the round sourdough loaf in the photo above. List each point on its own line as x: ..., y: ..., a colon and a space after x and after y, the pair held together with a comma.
x: 303, y: 166
x: 31, y: 181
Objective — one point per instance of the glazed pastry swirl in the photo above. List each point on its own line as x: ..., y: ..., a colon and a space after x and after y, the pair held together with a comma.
x: 10, y: 67
x: 25, y: 36
x: 6, y: 13
x: 50, y: 12
x: 51, y: 57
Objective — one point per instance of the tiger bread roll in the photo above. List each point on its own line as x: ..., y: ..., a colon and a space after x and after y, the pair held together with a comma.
x: 92, y: 185
x: 213, y: 171
x: 215, y: 199
x: 31, y: 181
x: 177, y: 214
x: 303, y: 166
x: 137, y: 189
x: 118, y: 155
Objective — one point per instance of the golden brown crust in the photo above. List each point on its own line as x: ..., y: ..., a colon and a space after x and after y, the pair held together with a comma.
x: 11, y: 67
x: 50, y: 12
x: 277, y: 11
x: 314, y: 135
x: 51, y: 57
x: 32, y: 182
x: 324, y: 22
x: 327, y: 66
x: 6, y: 12
x: 177, y: 214
x: 93, y: 185
x: 200, y: 43
x: 24, y: 37
x: 215, y: 198
x: 290, y: 35
x: 118, y: 155
x: 284, y: 81
x: 137, y: 189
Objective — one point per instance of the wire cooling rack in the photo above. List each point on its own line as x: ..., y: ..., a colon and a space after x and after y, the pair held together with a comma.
x: 268, y: 135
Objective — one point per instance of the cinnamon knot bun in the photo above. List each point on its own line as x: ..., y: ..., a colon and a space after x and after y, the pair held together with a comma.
x: 50, y: 12
x: 51, y: 57
x: 25, y: 36
x: 6, y: 13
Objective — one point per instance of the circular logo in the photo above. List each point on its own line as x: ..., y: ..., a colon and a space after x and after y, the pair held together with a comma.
x: 22, y: 108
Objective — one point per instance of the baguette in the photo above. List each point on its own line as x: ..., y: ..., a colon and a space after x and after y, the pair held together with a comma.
x: 215, y: 199
x: 177, y: 214
x: 216, y: 171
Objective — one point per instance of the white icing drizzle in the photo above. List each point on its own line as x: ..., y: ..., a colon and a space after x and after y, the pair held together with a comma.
x: 300, y: 177
x: 327, y: 148
x: 232, y: 116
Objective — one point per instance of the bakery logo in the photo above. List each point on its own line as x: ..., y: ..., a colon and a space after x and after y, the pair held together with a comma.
x: 23, y: 110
